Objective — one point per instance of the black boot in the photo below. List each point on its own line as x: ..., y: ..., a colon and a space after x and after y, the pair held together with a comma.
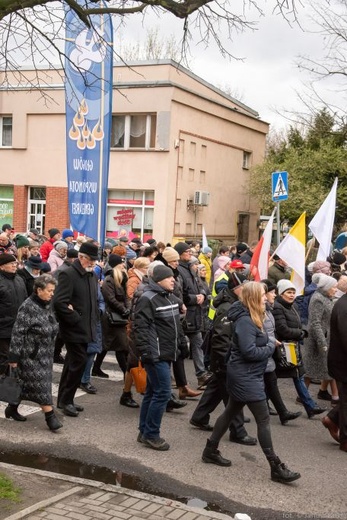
x: 96, y: 370
x: 280, y: 472
x: 52, y: 422
x: 289, y: 416
x: 175, y: 403
x: 127, y: 400
x: 11, y: 412
x: 212, y: 455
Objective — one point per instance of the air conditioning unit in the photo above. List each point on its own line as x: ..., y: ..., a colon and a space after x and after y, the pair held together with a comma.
x: 201, y: 198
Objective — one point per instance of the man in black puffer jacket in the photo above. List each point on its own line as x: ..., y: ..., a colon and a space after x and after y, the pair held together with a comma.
x: 158, y: 335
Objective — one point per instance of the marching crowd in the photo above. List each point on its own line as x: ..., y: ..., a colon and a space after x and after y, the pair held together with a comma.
x: 159, y: 305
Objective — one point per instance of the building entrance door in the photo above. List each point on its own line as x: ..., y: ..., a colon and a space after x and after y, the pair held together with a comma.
x: 37, y: 209
x: 243, y: 227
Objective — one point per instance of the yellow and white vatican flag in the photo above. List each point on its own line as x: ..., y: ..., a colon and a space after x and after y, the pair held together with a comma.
x: 292, y: 251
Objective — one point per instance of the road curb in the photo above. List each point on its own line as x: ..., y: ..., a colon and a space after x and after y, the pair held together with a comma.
x: 78, y: 482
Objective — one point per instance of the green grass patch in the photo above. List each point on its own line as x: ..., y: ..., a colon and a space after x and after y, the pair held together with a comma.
x: 7, y: 489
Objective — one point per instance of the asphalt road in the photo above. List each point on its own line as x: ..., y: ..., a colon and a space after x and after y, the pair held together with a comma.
x: 101, y: 444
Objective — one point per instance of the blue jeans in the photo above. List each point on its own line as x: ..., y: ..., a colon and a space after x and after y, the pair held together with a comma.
x: 88, y: 368
x: 303, y: 393
x: 158, y: 393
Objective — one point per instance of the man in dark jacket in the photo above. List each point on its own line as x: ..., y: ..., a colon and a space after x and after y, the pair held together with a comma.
x: 157, y: 337
x: 336, y: 420
x: 71, y: 256
x: 246, y: 256
x: 216, y: 390
x: 193, y: 299
x: 75, y: 303
x: 278, y: 270
x: 12, y: 295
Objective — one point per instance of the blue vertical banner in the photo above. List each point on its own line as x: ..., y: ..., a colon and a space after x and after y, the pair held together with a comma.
x: 88, y: 97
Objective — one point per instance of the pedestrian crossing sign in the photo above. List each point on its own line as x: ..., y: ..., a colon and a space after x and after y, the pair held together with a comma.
x: 279, y: 186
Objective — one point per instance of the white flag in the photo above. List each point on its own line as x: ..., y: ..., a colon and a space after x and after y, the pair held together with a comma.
x: 204, y: 239
x: 322, y: 223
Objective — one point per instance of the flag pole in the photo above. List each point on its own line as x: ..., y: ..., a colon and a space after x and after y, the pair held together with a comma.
x: 278, y: 223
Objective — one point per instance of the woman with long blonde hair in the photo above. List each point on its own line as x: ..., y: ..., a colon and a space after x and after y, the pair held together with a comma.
x: 250, y: 350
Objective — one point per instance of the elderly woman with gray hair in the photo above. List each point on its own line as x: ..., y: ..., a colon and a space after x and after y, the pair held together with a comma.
x: 31, y: 350
x: 316, y: 344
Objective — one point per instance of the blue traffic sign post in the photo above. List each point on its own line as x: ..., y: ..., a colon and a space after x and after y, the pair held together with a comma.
x: 279, y: 193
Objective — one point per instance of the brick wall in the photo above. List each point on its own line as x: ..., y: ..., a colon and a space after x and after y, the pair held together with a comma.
x: 57, y: 214
x: 20, y: 208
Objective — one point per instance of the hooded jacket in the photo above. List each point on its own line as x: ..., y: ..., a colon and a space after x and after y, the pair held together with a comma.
x: 249, y: 355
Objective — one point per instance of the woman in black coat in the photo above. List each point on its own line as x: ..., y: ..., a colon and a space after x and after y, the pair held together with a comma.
x: 288, y: 329
x: 115, y: 337
x: 32, y: 347
x: 249, y: 354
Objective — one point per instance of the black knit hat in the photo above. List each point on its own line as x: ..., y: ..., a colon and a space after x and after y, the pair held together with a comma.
x: 337, y: 258
x: 241, y: 247
x: 45, y: 267
x: 181, y: 247
x: 114, y: 260
x: 235, y: 280
x: 52, y: 232
x: 72, y: 253
x: 160, y: 272
x: 5, y: 258
x: 269, y: 285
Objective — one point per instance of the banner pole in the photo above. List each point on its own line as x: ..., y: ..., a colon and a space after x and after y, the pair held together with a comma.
x: 278, y: 223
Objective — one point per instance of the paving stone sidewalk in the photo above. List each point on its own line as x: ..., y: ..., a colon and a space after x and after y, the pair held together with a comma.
x: 87, y: 499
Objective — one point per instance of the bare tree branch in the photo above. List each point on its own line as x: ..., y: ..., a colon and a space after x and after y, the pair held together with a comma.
x: 32, y: 31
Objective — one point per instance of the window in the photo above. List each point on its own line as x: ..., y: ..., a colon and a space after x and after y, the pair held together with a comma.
x: 5, y: 131
x: 133, y: 131
x: 130, y: 213
x: 246, y: 162
x: 6, y: 205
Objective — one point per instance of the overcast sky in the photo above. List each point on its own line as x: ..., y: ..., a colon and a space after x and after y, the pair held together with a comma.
x: 268, y: 77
